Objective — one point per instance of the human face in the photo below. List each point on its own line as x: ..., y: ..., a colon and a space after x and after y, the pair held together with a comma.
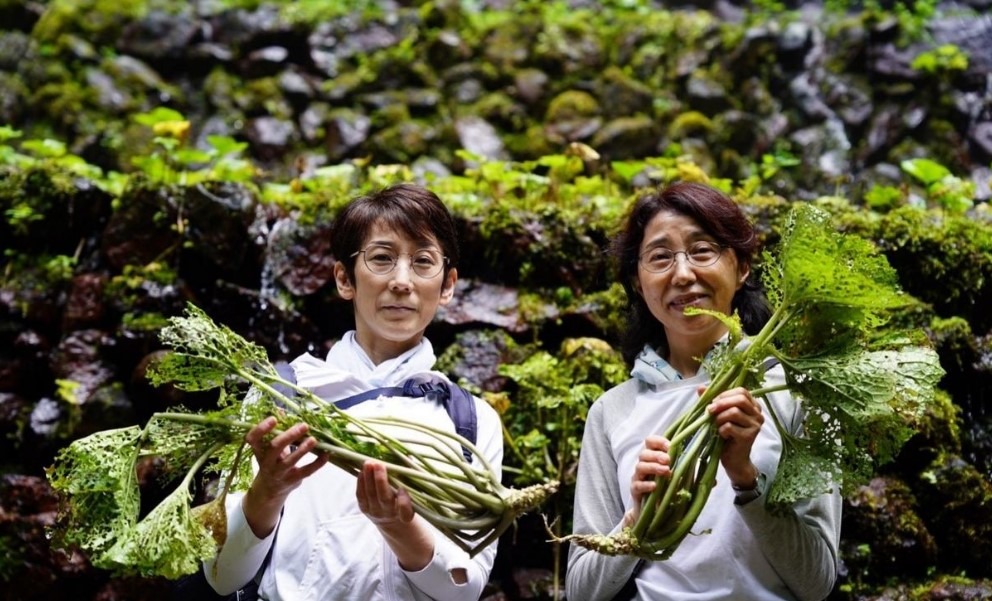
x: 667, y: 294
x: 392, y: 310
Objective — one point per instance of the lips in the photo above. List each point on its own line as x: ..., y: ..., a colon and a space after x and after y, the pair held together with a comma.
x: 686, y: 300
x: 397, y: 308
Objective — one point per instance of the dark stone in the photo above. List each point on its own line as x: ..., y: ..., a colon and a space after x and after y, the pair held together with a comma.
x: 85, y: 305
x: 980, y: 136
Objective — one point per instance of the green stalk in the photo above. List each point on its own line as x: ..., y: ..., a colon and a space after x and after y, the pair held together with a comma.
x: 350, y: 460
x: 651, y: 506
x: 686, y: 467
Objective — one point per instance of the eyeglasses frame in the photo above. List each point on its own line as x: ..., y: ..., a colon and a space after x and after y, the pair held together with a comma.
x: 444, y: 261
x: 675, y: 256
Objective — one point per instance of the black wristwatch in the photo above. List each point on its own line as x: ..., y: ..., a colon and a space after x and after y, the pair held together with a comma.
x: 746, y: 494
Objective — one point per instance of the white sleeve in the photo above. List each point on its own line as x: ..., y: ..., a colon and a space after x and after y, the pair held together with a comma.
x: 242, y: 555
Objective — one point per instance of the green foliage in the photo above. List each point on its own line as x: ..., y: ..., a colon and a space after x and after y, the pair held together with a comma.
x: 947, y: 58
x: 944, y: 189
x: 832, y: 294
x: 98, y: 472
x: 912, y: 16
x: 883, y: 198
x: 546, y: 416
x: 175, y: 163
x: 543, y: 422
x: 931, y: 247
x: 96, y: 20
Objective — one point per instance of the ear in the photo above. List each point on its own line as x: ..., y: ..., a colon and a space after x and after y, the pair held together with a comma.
x: 448, y: 287
x: 637, y: 286
x: 742, y: 272
x: 345, y: 288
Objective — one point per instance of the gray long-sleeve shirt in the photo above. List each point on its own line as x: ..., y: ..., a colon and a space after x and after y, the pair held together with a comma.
x: 734, y: 551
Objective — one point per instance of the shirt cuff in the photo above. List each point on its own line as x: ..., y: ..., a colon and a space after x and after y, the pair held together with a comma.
x: 435, y: 578
x: 743, y: 497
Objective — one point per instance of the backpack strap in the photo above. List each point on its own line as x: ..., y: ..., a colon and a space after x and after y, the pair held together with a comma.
x: 458, y: 402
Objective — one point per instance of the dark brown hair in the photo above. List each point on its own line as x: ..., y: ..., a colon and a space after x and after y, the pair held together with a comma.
x: 408, y: 208
x: 722, y: 219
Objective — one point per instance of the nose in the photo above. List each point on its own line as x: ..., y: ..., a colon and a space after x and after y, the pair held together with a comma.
x: 401, y: 274
x: 682, y: 271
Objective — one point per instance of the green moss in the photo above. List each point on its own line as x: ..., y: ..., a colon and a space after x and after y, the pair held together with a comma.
x: 690, y: 123
x: 100, y: 21
x: 35, y: 199
x: 927, y: 247
x: 531, y: 144
x: 573, y: 104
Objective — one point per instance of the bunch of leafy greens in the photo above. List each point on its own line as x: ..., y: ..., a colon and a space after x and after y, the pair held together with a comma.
x: 100, y: 500
x: 862, y: 380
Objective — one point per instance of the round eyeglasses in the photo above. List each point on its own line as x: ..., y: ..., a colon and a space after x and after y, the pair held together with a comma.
x: 426, y: 262
x: 661, y: 259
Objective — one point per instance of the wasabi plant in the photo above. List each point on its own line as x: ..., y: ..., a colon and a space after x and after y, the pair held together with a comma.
x: 862, y: 390
x: 95, y: 477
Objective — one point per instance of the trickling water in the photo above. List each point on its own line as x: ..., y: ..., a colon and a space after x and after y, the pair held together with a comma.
x: 976, y: 432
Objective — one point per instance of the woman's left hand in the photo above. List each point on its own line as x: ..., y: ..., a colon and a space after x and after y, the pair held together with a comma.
x: 738, y: 420
x: 379, y: 500
x: 391, y: 510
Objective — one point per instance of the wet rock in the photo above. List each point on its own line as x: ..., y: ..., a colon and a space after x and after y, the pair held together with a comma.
x: 24, y: 360
x: 264, y: 62
x: 794, y: 45
x: 160, y: 36
x: 955, y: 499
x: 881, y: 517
x: 626, y: 97
x: 476, y: 356
x: 297, y: 257
x: 346, y: 131
x: 481, y: 303
x: 219, y: 215
x: 15, y: 411
x: 109, y: 96
x: 980, y: 136
x: 80, y: 359
x: 270, y: 137
x: 14, y: 46
x: 706, y: 95
x: 140, y: 231
x: 281, y: 328
x: 479, y: 137
x: 530, y: 85
x: 297, y: 87
x: 893, y: 62
x: 85, y: 305
x: 971, y: 34
x: 627, y: 138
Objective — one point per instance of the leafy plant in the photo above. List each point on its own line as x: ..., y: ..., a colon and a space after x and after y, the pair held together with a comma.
x: 96, y: 480
x: 946, y: 58
x: 544, y: 422
x: 883, y: 198
x: 943, y: 188
x: 177, y: 163
x: 862, y: 390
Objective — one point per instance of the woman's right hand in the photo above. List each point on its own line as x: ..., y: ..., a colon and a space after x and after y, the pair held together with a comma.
x: 279, y: 471
x: 651, y: 463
